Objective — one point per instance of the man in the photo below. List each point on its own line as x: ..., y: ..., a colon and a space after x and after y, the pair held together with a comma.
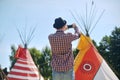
x: 62, y: 56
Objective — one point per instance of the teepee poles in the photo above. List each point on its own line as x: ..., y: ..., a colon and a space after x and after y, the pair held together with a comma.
x: 89, y: 19
x: 31, y: 35
x: 97, y: 20
x: 77, y: 20
x: 26, y: 38
x: 26, y: 68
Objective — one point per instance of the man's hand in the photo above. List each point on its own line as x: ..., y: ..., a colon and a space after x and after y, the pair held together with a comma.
x: 74, y: 25
x: 71, y: 26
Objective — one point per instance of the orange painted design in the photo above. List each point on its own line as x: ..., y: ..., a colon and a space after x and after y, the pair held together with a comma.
x: 83, y: 45
x: 88, y: 60
x: 89, y: 65
x: 23, y: 53
x: 18, y: 52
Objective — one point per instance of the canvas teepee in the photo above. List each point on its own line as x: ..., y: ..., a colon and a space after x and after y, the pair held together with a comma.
x: 89, y: 64
x: 24, y: 68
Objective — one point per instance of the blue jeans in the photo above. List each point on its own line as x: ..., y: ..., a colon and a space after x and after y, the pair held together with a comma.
x: 69, y: 75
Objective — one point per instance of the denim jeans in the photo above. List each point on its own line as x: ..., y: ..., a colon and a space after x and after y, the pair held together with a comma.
x: 69, y: 75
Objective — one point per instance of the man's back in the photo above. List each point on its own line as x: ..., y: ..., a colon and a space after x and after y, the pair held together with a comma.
x: 60, y: 42
x: 62, y: 57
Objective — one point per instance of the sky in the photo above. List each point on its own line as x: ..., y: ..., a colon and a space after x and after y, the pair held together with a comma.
x: 27, y: 14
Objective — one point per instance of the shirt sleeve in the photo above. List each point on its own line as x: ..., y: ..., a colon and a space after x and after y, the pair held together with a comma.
x: 77, y: 32
x: 76, y: 35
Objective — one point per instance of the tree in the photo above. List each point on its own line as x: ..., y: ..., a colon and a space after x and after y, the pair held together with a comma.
x: 44, y: 63
x: 75, y: 52
x: 104, y: 47
x: 35, y: 55
x: 115, y: 49
x: 11, y: 57
x: 110, y: 49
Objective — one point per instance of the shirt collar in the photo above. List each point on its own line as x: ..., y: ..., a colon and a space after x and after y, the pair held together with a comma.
x: 59, y: 31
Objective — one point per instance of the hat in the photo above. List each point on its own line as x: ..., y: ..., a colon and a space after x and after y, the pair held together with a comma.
x: 59, y: 23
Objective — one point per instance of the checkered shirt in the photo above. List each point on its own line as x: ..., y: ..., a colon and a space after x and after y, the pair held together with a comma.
x: 62, y: 56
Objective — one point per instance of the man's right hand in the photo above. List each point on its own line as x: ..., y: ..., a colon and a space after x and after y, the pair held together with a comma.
x: 74, y: 25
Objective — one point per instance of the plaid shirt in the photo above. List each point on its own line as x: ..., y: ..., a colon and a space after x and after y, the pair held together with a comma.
x: 62, y: 56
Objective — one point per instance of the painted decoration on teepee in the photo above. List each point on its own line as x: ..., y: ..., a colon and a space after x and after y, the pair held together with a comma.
x: 89, y: 65
x: 24, y: 68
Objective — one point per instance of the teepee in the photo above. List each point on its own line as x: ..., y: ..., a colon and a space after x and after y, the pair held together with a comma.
x: 24, y: 68
x: 89, y: 64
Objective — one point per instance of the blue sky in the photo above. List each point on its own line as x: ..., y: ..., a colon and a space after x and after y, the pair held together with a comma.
x: 41, y: 13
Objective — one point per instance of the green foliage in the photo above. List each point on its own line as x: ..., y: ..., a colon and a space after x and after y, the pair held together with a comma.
x: 35, y: 55
x: 110, y: 49
x: 104, y: 48
x: 44, y: 62
x: 11, y: 57
x: 115, y: 49
x: 75, y: 52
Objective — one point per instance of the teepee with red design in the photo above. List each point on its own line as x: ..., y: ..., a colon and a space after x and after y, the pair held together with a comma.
x: 89, y: 64
x: 24, y: 68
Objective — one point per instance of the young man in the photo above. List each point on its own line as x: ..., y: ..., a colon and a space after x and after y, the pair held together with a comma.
x: 62, y: 56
